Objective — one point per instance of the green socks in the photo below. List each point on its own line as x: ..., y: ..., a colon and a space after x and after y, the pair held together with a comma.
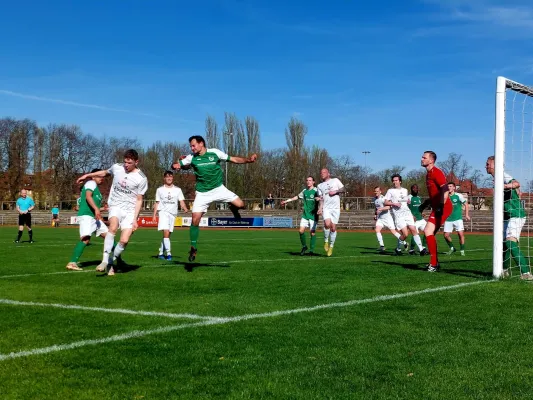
x: 78, y: 251
x: 450, y: 243
x: 194, y: 231
x: 514, y: 250
x: 303, y: 240
x: 313, y: 242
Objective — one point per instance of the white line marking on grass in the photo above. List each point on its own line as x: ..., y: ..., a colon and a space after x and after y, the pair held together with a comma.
x: 73, y: 244
x: 108, y: 310
x: 221, y: 321
x: 293, y: 259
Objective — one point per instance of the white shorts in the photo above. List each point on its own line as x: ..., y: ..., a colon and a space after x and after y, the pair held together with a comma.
x: 165, y: 221
x: 404, y: 220
x: 204, y: 199
x: 449, y: 226
x: 333, y: 215
x: 90, y: 225
x: 386, y: 221
x: 513, y: 227
x: 308, y: 223
x: 421, y: 224
x: 125, y: 218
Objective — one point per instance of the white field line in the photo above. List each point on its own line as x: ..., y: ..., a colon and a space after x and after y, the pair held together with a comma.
x: 221, y: 321
x: 22, y: 246
x: 108, y: 310
x: 167, y: 265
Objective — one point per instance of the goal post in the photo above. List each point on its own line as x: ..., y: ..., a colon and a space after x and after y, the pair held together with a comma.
x: 513, y: 155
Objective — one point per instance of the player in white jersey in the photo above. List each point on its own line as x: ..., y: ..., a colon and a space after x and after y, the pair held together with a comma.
x: 330, y: 207
x: 383, y: 218
x: 397, y: 198
x: 167, y: 198
x: 125, y: 202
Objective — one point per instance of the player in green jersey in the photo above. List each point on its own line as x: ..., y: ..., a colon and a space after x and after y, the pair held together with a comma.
x: 311, y: 200
x: 455, y: 220
x: 414, y: 201
x: 514, y: 218
x: 205, y: 163
x: 89, y: 219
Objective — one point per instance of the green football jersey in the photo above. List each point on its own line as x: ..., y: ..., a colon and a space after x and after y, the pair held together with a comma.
x: 457, y: 212
x: 512, y: 205
x: 414, y: 202
x: 207, y: 169
x: 85, y: 208
x: 310, y: 204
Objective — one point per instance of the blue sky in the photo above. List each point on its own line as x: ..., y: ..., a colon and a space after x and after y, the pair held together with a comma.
x: 395, y: 78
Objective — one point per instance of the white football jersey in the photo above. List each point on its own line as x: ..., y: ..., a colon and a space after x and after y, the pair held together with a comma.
x: 398, y: 196
x: 379, y: 202
x: 126, y: 187
x: 168, y: 199
x: 330, y: 202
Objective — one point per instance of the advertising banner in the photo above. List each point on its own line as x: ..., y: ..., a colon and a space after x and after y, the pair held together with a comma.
x: 229, y: 222
x: 277, y: 222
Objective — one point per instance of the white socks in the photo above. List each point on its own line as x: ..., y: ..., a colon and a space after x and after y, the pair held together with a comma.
x: 326, y: 235
x: 108, y: 246
x: 380, y: 238
x: 332, y: 237
x: 166, y: 244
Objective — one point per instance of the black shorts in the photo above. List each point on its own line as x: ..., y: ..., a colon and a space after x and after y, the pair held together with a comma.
x: 55, y: 216
x: 25, y: 219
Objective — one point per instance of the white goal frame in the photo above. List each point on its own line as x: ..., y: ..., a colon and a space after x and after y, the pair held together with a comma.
x: 502, y: 85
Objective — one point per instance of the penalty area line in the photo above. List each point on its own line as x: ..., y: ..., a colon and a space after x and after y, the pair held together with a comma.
x: 107, y: 310
x: 222, y: 321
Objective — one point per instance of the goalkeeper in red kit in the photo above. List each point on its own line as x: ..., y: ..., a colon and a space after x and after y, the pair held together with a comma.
x: 441, y: 206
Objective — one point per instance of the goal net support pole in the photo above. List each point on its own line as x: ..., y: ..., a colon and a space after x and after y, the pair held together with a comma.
x: 503, y: 87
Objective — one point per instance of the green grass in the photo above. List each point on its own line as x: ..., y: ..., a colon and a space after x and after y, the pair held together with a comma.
x: 461, y: 343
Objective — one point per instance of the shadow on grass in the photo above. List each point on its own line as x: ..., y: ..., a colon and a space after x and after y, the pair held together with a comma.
x: 190, y: 266
x: 444, y: 268
x: 308, y: 254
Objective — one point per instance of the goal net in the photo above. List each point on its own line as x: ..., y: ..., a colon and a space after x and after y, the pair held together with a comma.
x: 513, y: 166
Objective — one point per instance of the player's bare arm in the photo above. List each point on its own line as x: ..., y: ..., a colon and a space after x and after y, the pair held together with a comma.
x: 92, y: 204
x: 103, y: 173
x: 138, y: 206
x: 183, y: 206
x: 243, y: 160
x: 156, y: 206
x: 283, y: 202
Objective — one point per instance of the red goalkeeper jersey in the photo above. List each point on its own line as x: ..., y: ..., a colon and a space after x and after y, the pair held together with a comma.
x: 434, y: 180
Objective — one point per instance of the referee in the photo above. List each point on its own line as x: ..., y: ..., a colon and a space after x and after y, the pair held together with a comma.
x: 24, y: 206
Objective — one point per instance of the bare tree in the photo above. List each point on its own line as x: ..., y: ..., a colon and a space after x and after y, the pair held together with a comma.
x: 318, y: 158
x: 455, y: 167
x: 212, y: 135
x: 296, y: 156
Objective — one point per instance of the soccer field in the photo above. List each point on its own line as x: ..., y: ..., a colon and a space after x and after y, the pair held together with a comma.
x: 251, y: 318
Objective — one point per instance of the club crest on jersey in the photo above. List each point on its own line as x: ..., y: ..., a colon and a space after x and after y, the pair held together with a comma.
x: 211, y: 158
x: 123, y: 183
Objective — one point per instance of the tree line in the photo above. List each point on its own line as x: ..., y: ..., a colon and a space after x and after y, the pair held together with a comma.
x: 47, y: 160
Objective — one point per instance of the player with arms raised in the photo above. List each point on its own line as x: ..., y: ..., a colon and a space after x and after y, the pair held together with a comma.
x: 441, y: 206
x: 167, y: 198
x: 125, y: 203
x: 209, y: 188
x: 310, y: 199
